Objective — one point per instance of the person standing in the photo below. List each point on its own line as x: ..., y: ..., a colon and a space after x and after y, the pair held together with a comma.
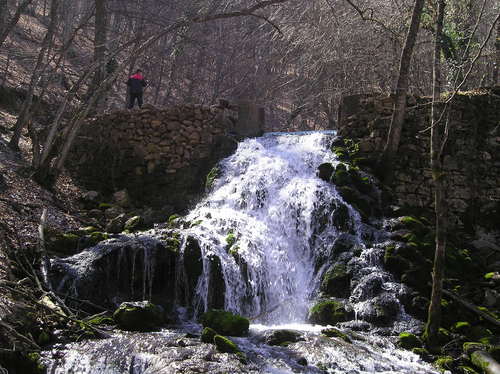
x: 136, y: 84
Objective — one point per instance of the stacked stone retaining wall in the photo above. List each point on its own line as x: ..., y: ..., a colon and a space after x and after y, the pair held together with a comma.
x: 471, y: 155
x: 161, y: 156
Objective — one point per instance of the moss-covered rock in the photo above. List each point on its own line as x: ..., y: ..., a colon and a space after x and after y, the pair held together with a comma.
x: 328, y: 312
x: 336, y: 333
x: 279, y: 337
x: 207, y: 335
x: 469, y: 347
x: 95, y: 238
x: 407, y: 340
x: 133, y: 223
x: 394, y: 262
x: 336, y: 281
x: 325, y: 171
x: 173, y: 242
x: 139, y: 316
x: 423, y: 353
x: 225, y: 322
x: 444, y: 363
x: 225, y: 345
x: 61, y: 243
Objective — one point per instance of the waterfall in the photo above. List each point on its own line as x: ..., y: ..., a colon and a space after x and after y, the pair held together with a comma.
x: 268, y: 221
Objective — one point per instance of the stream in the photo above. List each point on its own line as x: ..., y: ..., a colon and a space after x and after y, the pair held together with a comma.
x: 267, y: 231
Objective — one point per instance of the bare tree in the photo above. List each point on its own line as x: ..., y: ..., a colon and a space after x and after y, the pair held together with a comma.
x: 399, y: 109
x: 7, y: 25
x: 436, y: 147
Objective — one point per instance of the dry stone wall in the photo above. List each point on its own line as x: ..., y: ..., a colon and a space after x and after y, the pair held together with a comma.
x: 471, y: 155
x: 161, y: 156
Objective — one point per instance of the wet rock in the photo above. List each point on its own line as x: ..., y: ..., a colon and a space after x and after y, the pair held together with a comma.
x: 216, y: 284
x: 382, y: 310
x: 328, y: 312
x: 408, y: 340
x: 193, y: 267
x: 133, y: 223
x: 225, y: 345
x: 207, y: 335
x: 113, y: 211
x: 302, y: 361
x: 117, y: 224
x: 325, y: 171
x: 336, y: 333
x: 336, y: 281
x: 61, y: 243
x: 139, y: 316
x: 225, y: 322
x: 281, y: 337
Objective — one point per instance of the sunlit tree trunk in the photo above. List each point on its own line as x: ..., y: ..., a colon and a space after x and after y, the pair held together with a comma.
x: 434, y: 315
x: 399, y: 109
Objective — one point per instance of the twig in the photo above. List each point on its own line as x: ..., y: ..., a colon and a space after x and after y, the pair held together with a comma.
x: 472, y: 307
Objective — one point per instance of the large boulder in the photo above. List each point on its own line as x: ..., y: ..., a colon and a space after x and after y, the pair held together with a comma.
x: 328, y: 312
x: 225, y: 323
x: 139, y: 316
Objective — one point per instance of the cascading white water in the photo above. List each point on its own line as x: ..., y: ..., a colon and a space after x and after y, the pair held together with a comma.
x: 270, y: 200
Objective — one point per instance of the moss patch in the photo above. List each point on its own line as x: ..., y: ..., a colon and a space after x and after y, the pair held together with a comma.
x: 225, y: 345
x: 225, y: 322
x: 328, y: 312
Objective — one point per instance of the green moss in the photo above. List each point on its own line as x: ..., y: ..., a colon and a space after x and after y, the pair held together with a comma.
x: 336, y: 333
x: 173, y: 242
x: 408, y: 340
x: 97, y: 237
x: 139, y: 316
x: 196, y: 223
x: 489, y: 276
x: 101, y: 320
x: 444, y: 363
x: 283, y: 337
x: 133, y: 224
x: 414, y: 224
x: 43, y: 338
x: 477, y: 359
x: 207, y: 335
x: 466, y: 370
x: 230, y: 239
x: 469, y: 347
x: 211, y: 177
x: 172, y: 220
x: 328, y: 312
x: 104, y: 206
x: 87, y: 230
x: 336, y: 281
x: 461, y: 327
x: 225, y: 322
x: 63, y: 243
x: 225, y: 345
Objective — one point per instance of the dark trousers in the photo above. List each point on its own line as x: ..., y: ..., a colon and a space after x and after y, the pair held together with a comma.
x: 133, y: 97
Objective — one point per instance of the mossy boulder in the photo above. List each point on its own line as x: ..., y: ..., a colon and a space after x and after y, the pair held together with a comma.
x: 21, y: 362
x: 281, y: 337
x: 225, y: 345
x: 328, y: 312
x: 462, y: 327
x: 411, y: 223
x: 325, y: 171
x: 139, y: 316
x: 336, y: 333
x: 225, y: 322
x: 407, y: 340
x: 444, y: 363
x: 61, y: 243
x: 207, y: 335
x: 95, y: 238
x: 133, y: 223
x: 336, y: 281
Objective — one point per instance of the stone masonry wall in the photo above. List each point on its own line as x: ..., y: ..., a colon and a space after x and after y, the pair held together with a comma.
x: 159, y: 156
x: 471, y: 156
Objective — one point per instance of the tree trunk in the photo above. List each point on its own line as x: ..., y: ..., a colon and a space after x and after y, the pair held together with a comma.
x: 399, y: 109
x: 496, y: 76
x: 39, y: 69
x: 100, y: 40
x: 434, y: 314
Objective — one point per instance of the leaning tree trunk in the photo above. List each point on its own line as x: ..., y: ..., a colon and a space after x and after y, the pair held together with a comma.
x: 434, y: 314
x: 399, y: 109
x: 39, y: 69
